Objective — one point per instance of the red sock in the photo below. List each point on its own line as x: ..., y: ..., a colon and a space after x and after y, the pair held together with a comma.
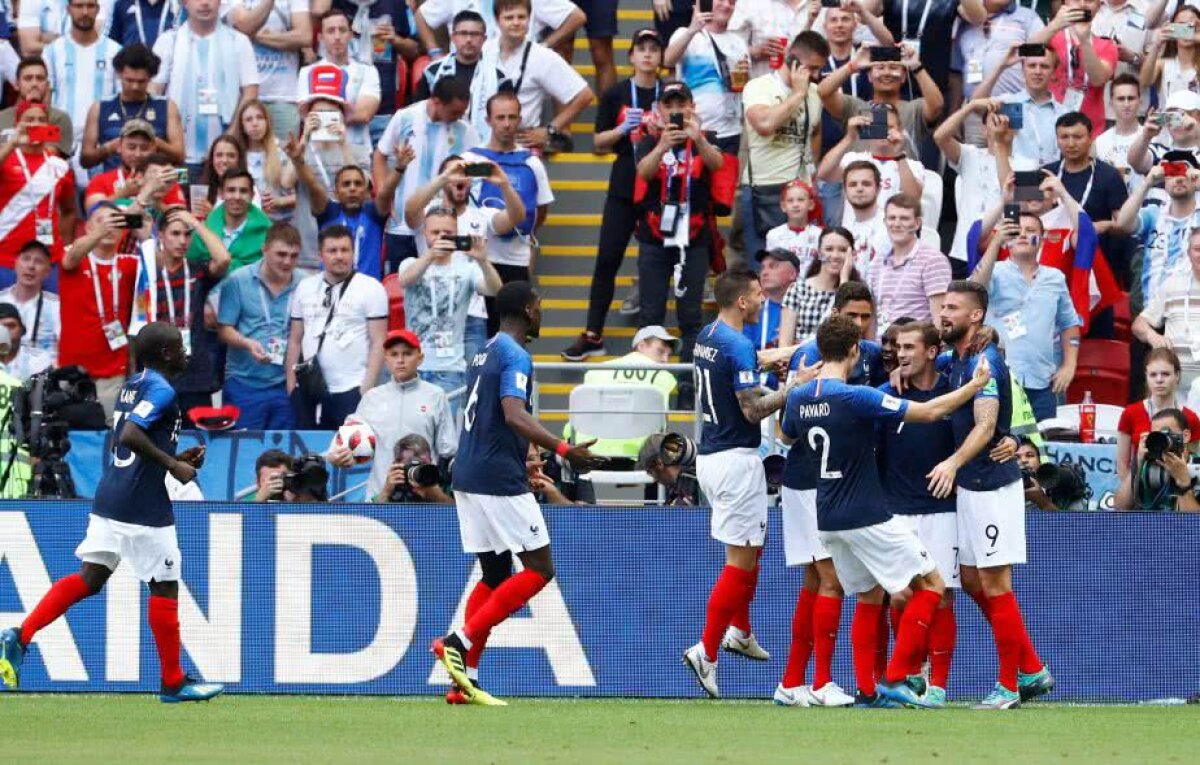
x: 863, y: 644
x: 1009, y: 630
x: 882, y: 634
x: 65, y: 593
x: 913, y: 636
x: 802, y: 640
x: 981, y: 600
x: 164, y: 623
x: 942, y: 634
x: 741, y: 617
x: 516, y: 591
x: 827, y: 616
x: 1029, y: 662
x: 475, y: 601
x: 896, y: 615
x: 730, y: 593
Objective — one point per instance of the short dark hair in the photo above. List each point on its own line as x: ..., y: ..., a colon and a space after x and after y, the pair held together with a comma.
x: 271, y: 458
x: 336, y: 231
x: 1071, y: 119
x: 28, y: 61
x: 905, y: 202
x: 1127, y: 78
x: 282, y: 231
x: 333, y: 13
x: 810, y: 42
x: 413, y: 442
x: 1027, y: 441
x: 514, y: 298
x: 462, y: 16
x: 158, y: 158
x: 930, y: 337
x: 1173, y: 414
x: 350, y: 169
x: 862, y: 164
x: 234, y: 173
x: 851, y: 291
x: 500, y: 6
x: 836, y: 336
x: 34, y: 245
x: 732, y: 284
x: 152, y: 341
x: 967, y: 287
x: 137, y: 56
x: 504, y: 95
x: 450, y: 89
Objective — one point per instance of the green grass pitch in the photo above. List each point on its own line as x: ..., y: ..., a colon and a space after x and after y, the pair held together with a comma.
x: 129, y: 729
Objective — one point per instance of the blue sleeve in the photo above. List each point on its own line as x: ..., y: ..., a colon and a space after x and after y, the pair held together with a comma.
x: 380, y: 219
x: 877, y: 375
x: 788, y: 423
x: 1067, y: 315
x: 229, y: 309
x: 332, y: 211
x: 1147, y: 220
x: 999, y: 373
x: 944, y: 361
x: 515, y: 371
x: 744, y: 366
x: 808, y: 352
x: 155, y: 401
x: 874, y: 403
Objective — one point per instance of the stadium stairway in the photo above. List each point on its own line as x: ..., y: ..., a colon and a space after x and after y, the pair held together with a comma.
x: 568, y: 239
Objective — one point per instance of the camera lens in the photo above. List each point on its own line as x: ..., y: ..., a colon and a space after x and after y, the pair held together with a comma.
x: 422, y: 474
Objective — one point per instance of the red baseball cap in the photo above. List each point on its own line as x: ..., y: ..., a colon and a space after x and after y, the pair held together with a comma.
x: 401, y: 336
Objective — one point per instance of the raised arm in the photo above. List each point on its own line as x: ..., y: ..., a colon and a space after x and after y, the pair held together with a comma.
x: 935, y: 409
x: 1126, y: 221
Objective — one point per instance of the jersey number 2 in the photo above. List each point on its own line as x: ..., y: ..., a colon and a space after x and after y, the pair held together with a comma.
x: 823, y: 435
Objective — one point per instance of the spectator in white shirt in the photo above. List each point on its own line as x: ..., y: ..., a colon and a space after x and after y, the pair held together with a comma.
x: 362, y: 79
x: 898, y: 173
x: 705, y: 54
x: 279, y: 29
x: 1112, y: 146
x: 977, y: 186
x: 1171, y: 319
x: 39, y: 308
x: 340, y: 318
x: 560, y: 18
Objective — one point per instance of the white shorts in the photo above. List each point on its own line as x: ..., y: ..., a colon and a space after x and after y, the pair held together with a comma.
x: 735, y: 485
x: 801, y: 541
x: 939, y: 533
x: 887, y: 554
x: 489, y: 523
x: 152, y: 551
x: 991, y: 526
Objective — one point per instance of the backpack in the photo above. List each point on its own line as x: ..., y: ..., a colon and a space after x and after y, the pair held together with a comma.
x: 523, y: 181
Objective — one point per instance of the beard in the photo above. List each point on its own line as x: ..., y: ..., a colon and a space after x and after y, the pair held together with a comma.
x: 863, y: 205
x: 952, y: 334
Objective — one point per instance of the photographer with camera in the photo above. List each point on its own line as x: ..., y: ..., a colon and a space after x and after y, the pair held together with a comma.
x: 282, y: 478
x: 670, y: 459
x: 1050, y: 485
x: 1160, y: 479
x: 413, y: 476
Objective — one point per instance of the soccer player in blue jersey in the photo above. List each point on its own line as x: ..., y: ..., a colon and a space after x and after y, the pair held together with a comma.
x: 854, y: 301
x: 990, y: 501
x: 131, y: 518
x: 907, y: 453
x: 497, y: 514
x: 728, y: 467
x: 874, y: 554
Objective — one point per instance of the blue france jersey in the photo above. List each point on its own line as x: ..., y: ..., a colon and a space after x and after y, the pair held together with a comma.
x: 838, y: 421
x: 133, y: 488
x: 909, y: 450
x: 491, y: 456
x: 869, y: 371
x: 981, y: 473
x: 726, y: 363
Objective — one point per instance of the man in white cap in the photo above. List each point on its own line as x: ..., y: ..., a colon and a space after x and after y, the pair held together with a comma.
x: 1183, y: 132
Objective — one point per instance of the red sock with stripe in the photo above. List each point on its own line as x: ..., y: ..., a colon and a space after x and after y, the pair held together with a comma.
x: 516, y: 591
x: 730, y: 593
x: 479, y: 595
x: 863, y: 643
x: 741, y: 618
x: 802, y: 640
x: 827, y: 617
x: 913, y: 638
x: 1009, y: 630
x: 63, y: 594
x: 164, y: 623
x: 942, y: 635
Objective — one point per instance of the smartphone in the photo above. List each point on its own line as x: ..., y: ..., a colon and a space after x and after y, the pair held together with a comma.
x: 1174, y: 169
x: 132, y: 220
x: 1084, y: 14
x: 331, y: 127
x: 477, y: 169
x: 878, y: 129
x: 1179, y: 31
x: 705, y: 6
x: 677, y: 120
x: 1031, y: 50
x: 181, y: 175
x: 884, y: 53
x: 1029, y: 184
x: 1012, y: 212
x: 831, y: 3
x: 1160, y: 118
x: 461, y: 243
x: 1015, y: 114
x: 44, y: 133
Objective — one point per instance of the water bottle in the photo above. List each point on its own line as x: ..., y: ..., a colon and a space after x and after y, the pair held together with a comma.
x: 1087, y: 419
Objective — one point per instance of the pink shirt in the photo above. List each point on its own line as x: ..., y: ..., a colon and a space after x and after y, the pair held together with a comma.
x: 905, y: 290
x: 1093, y: 99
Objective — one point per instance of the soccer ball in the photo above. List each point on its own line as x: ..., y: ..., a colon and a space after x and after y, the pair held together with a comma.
x: 358, y: 437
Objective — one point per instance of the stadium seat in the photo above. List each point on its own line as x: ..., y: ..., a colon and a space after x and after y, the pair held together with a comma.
x: 402, y: 83
x: 617, y: 411
x: 395, y: 293
x: 417, y: 72
x: 1122, y: 319
x: 1103, y: 369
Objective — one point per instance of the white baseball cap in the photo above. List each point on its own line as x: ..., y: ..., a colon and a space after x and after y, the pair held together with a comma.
x: 654, y: 331
x: 1185, y: 100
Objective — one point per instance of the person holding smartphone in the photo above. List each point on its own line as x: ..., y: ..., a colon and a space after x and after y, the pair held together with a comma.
x: 1086, y: 62
x: 704, y: 55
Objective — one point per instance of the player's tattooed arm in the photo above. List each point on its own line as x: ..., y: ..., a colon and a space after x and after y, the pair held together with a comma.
x: 987, y: 415
x: 758, y: 404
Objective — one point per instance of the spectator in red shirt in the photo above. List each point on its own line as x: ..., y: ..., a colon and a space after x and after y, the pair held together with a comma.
x: 37, y: 199
x: 1085, y: 63
x: 123, y: 184
x: 1162, y: 383
x: 96, y: 288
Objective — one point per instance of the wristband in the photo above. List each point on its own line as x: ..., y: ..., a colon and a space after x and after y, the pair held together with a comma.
x: 562, y: 449
x: 435, y: 52
x: 918, y: 70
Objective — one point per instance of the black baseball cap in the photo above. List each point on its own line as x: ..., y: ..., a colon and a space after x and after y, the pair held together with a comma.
x: 645, y: 34
x: 675, y: 89
x: 9, y: 311
x: 782, y: 255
